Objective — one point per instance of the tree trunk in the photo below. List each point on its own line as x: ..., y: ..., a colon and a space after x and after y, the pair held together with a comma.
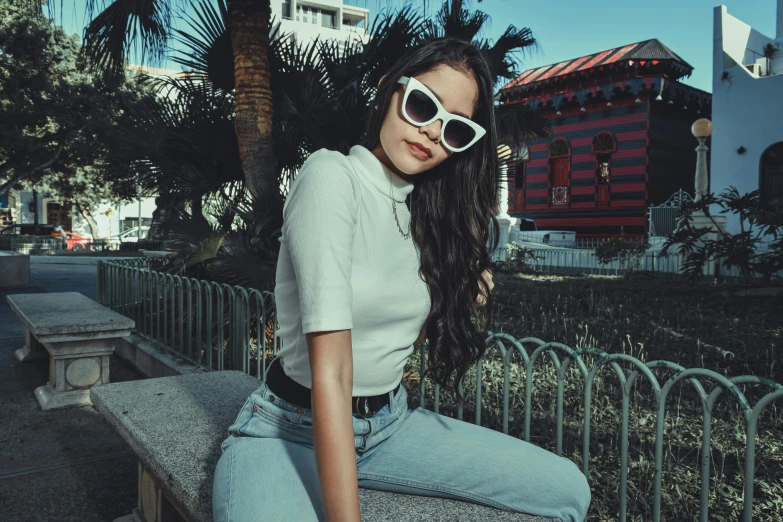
x: 94, y: 230
x: 248, y: 22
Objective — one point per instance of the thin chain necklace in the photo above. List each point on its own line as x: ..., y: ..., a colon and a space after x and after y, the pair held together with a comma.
x: 394, y: 208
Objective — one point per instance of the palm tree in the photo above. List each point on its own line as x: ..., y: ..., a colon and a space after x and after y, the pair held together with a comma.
x: 320, y: 93
x: 118, y: 26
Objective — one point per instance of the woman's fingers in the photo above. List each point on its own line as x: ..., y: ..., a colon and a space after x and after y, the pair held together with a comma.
x: 481, y: 300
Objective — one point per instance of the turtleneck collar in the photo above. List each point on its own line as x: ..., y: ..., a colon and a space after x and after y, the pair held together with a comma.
x: 378, y: 174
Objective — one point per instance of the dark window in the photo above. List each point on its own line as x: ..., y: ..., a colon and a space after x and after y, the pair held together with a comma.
x: 604, y: 142
x: 328, y: 19
x: 559, y: 148
x: 604, y: 145
x: 771, y: 182
x: 559, y: 169
x: 287, y: 9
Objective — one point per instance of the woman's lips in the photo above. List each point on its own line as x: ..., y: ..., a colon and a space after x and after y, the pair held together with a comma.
x: 416, y: 151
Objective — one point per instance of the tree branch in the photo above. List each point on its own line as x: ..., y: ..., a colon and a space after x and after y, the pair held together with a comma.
x: 26, y: 174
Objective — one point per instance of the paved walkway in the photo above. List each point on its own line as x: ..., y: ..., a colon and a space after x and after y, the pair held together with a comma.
x: 64, y: 465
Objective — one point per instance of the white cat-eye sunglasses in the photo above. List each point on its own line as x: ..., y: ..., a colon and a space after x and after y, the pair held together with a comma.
x: 421, y: 107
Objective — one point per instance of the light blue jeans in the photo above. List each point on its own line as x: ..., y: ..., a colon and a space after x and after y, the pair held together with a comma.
x: 268, y: 472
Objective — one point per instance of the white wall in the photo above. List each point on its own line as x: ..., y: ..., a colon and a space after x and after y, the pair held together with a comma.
x: 747, y: 110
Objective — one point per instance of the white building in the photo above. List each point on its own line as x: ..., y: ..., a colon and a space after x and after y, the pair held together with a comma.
x: 327, y: 19
x: 747, y: 109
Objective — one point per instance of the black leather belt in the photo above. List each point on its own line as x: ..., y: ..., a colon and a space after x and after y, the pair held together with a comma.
x: 291, y: 391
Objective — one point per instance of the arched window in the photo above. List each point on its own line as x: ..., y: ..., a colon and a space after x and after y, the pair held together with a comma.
x: 604, y: 145
x: 559, y: 169
x: 771, y: 178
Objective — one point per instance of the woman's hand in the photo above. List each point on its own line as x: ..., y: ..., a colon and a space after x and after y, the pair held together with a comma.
x: 481, y: 300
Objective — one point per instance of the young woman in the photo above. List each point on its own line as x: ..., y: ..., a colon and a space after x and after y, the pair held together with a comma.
x: 381, y: 249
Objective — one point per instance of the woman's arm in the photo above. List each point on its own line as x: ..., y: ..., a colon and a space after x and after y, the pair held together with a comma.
x: 422, y: 336
x: 331, y: 363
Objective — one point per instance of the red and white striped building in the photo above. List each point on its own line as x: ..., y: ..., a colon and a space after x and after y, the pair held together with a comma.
x: 620, y: 139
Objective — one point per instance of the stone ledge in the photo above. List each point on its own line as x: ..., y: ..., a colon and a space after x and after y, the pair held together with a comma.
x: 175, y: 425
x: 151, y: 359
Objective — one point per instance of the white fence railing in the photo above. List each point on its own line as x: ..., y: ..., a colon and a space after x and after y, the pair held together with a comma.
x: 574, y: 261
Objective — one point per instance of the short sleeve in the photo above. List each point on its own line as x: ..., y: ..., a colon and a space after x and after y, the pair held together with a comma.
x: 319, y: 221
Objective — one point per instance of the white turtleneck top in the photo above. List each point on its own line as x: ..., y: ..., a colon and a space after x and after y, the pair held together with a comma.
x: 343, y: 265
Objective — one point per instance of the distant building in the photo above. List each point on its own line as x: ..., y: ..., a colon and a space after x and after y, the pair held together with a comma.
x: 326, y: 19
x: 620, y: 140
x: 747, y: 86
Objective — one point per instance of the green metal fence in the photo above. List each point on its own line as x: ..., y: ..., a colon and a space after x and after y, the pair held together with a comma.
x: 217, y: 327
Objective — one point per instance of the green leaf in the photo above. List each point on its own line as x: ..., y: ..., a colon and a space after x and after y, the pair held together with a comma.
x: 206, y: 250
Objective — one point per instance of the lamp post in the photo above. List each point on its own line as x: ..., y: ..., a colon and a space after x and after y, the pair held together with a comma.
x: 701, y: 129
x: 716, y: 224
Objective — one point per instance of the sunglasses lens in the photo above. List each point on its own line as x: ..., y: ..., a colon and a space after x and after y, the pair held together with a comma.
x: 457, y: 134
x: 420, y: 107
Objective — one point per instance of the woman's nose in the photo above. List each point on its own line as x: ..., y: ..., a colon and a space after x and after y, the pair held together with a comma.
x: 433, y: 131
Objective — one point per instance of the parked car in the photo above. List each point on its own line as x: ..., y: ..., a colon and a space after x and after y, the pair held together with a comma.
x: 528, y: 232
x: 31, y: 231
x: 76, y: 242
x: 128, y: 236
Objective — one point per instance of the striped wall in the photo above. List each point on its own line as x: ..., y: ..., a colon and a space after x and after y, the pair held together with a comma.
x: 628, y: 122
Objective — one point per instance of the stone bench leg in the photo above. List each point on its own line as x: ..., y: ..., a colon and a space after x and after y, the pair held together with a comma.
x: 154, y: 504
x: 74, y: 367
x: 31, y: 350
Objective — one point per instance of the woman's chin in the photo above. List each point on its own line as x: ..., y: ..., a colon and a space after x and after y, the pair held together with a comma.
x: 409, y: 164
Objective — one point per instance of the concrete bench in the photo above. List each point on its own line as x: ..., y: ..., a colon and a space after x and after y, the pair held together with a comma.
x: 175, y: 426
x: 77, y: 334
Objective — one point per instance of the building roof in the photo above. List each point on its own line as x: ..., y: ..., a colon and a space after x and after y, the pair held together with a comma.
x: 644, y: 54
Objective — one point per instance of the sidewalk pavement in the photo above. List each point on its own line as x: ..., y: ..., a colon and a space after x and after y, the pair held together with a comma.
x: 64, y: 465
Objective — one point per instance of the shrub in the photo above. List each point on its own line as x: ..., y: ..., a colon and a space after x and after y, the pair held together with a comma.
x: 744, y: 250
x: 628, y: 252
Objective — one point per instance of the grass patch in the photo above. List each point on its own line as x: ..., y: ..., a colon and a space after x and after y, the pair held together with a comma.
x: 703, y: 326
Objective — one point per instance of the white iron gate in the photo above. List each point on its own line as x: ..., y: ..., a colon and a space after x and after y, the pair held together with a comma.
x: 663, y: 218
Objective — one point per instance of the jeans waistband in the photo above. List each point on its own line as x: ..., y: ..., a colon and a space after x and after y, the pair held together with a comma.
x: 291, y: 391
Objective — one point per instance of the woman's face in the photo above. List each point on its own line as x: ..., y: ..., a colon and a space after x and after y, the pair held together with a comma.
x: 458, y: 93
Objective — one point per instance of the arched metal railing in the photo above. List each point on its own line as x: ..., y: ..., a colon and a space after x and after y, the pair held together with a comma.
x: 218, y: 326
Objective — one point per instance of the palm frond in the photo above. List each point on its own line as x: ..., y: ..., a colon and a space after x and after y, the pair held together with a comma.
x: 207, y: 46
x: 516, y: 123
x: 185, y: 137
x: 504, y: 56
x: 457, y: 22
x: 124, y: 26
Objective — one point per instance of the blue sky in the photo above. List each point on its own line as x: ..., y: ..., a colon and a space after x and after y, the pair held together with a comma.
x: 570, y: 28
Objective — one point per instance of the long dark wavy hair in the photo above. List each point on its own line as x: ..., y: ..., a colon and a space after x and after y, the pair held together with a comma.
x: 453, y: 209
